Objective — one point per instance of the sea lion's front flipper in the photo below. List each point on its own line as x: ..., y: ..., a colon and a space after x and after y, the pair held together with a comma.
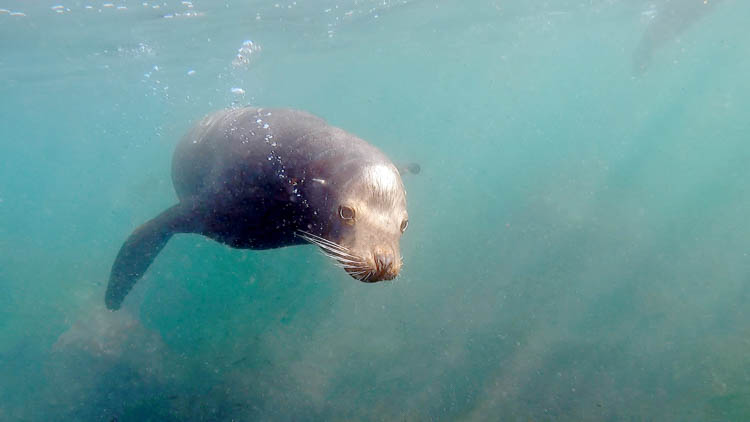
x: 140, y: 249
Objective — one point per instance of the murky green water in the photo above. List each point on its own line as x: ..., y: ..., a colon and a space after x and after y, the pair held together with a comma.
x: 578, y: 241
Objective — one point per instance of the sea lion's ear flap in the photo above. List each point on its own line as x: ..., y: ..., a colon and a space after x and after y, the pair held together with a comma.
x: 412, y: 168
x: 140, y: 249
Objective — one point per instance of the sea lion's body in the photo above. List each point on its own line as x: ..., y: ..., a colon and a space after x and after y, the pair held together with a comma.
x: 267, y: 178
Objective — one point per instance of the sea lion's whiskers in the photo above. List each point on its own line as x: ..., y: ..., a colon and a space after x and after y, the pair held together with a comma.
x: 331, y: 249
x: 314, y: 241
x: 359, y: 276
x: 337, y: 252
x: 344, y: 263
x: 334, y: 257
x: 318, y: 240
x: 338, y: 255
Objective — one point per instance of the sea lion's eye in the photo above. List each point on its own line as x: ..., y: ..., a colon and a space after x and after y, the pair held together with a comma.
x: 347, y: 214
x: 404, y: 225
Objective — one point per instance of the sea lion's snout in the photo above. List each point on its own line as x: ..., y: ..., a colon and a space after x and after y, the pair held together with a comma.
x: 378, y: 266
x: 383, y: 263
x: 384, y: 267
x: 381, y: 266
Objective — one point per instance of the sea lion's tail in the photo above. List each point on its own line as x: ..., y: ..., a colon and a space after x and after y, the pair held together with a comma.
x: 139, y: 251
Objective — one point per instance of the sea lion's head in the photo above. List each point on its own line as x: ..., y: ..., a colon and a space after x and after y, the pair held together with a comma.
x: 367, y: 219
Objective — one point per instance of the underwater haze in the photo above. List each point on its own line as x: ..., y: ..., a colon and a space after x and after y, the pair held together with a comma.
x: 579, y: 238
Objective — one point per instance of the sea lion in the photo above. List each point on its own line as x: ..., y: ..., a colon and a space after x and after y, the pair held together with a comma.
x: 256, y: 178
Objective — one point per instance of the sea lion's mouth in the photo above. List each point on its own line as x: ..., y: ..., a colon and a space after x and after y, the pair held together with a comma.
x: 364, y: 275
x: 371, y: 275
x: 381, y: 270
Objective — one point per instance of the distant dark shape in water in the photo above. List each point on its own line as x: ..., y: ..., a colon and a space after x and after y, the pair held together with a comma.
x: 668, y: 20
x: 412, y: 168
x: 266, y: 178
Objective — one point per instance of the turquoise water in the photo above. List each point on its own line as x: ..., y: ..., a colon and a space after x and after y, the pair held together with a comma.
x: 578, y: 240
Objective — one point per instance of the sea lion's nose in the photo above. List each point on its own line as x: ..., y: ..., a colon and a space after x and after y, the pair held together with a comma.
x: 384, y: 266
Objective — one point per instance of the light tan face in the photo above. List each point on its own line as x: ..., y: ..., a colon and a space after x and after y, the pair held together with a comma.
x: 371, y: 217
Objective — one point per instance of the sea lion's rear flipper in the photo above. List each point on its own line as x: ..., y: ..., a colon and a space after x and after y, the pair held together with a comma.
x: 140, y: 249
